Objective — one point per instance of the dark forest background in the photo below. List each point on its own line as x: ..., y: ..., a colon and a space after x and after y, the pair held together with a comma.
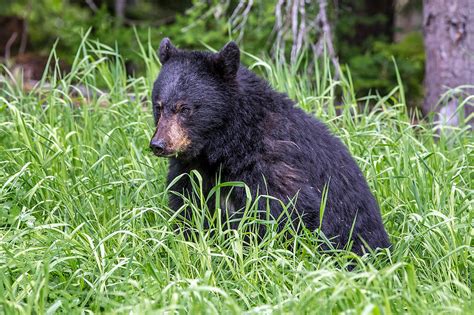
x: 366, y: 33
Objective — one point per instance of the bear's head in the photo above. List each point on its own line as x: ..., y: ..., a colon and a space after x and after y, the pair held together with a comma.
x: 192, y: 98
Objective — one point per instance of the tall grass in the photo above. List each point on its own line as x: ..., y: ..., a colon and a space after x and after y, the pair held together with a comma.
x: 84, y: 223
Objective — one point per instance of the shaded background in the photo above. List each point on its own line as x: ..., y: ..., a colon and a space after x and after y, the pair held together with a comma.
x: 365, y: 33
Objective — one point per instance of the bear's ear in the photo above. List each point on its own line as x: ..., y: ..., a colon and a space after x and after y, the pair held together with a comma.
x: 166, y: 50
x: 228, y: 60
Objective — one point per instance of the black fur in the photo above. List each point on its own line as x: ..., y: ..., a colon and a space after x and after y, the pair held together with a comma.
x: 239, y: 125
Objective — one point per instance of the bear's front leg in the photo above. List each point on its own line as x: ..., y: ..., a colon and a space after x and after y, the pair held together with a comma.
x: 179, y: 190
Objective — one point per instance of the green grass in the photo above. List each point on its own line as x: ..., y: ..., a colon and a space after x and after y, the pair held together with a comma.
x: 84, y: 223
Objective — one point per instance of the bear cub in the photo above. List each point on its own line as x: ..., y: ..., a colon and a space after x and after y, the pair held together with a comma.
x: 215, y: 116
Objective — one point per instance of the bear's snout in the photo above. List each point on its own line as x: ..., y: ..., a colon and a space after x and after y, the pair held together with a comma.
x: 158, y: 146
x: 170, y: 137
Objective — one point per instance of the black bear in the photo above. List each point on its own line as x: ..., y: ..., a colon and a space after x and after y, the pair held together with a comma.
x: 214, y: 115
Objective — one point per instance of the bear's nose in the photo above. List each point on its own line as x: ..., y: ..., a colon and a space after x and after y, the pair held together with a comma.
x: 158, y: 145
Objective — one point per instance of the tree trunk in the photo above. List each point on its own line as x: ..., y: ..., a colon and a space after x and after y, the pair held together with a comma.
x: 120, y: 9
x: 448, y: 27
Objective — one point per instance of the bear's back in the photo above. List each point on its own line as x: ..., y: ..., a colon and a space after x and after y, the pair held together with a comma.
x: 302, y: 157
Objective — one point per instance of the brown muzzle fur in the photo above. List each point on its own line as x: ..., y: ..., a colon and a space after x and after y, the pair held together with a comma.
x: 170, y: 137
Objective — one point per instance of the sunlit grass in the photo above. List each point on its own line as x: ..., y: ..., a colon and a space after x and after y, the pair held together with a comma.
x: 84, y: 223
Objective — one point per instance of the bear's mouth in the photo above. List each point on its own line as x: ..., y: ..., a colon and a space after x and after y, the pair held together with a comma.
x: 164, y: 154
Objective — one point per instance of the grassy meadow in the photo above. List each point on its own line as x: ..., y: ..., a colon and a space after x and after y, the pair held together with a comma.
x: 85, y: 228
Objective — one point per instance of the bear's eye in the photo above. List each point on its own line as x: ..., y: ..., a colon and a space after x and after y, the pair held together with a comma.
x: 182, y: 108
x: 185, y: 110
